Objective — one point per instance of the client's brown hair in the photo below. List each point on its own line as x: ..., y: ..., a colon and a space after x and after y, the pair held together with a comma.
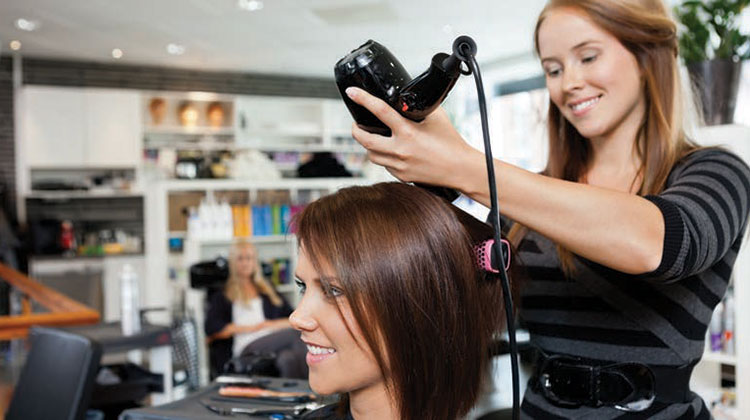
x: 405, y: 263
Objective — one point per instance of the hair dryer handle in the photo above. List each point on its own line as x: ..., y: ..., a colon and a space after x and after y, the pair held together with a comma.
x: 421, y: 96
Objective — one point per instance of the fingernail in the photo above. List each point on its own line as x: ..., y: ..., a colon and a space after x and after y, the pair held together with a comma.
x: 351, y: 92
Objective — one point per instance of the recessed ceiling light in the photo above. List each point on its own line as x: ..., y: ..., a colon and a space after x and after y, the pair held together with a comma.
x: 27, y: 24
x: 15, y: 45
x: 176, y: 49
x: 117, y: 53
x: 250, y: 5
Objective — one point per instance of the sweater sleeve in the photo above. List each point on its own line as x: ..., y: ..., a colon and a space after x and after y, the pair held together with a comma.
x: 219, y: 313
x: 705, y: 208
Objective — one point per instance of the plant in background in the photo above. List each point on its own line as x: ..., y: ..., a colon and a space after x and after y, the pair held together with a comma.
x: 711, y: 30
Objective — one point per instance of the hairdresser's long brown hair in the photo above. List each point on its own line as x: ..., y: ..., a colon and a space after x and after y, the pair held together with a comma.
x: 645, y: 29
x: 406, y: 266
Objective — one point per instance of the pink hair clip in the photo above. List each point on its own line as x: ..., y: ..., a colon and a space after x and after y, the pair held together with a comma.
x: 484, y: 256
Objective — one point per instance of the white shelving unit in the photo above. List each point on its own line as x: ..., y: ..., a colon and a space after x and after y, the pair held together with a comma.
x: 707, y: 375
x: 263, y: 123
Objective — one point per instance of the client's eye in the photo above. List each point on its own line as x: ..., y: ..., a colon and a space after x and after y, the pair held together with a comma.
x: 300, y: 285
x: 333, y: 291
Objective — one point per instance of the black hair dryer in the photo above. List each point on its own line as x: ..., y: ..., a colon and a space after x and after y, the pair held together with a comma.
x: 374, y: 69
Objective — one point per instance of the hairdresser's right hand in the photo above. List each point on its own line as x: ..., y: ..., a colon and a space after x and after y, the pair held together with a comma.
x: 427, y: 152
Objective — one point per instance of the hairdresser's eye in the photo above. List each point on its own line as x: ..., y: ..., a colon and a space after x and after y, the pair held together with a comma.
x: 301, y: 286
x: 589, y: 59
x: 553, y: 72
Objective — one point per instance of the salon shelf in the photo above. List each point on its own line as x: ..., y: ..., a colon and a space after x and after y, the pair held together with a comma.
x: 241, y: 184
x: 260, y: 239
x: 719, y: 357
x: 303, y: 148
x: 70, y: 194
x: 262, y: 147
x: 200, y: 130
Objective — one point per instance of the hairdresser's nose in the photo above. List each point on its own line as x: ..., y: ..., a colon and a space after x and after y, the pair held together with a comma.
x: 572, y: 79
x: 301, y: 319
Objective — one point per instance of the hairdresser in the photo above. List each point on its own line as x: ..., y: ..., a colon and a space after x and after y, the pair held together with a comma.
x: 629, y: 235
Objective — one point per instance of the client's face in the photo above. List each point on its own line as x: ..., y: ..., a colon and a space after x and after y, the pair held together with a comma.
x: 339, y: 361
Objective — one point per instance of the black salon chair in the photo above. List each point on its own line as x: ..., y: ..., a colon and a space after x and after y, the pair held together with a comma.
x: 57, y: 380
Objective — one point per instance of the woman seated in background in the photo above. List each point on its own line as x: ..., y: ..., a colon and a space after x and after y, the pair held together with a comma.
x: 395, y: 314
x: 250, y: 316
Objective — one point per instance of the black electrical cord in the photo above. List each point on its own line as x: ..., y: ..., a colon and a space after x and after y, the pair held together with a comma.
x: 494, y: 217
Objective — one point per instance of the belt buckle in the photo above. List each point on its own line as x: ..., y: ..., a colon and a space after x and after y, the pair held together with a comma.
x: 644, y: 387
x: 639, y: 376
x: 546, y: 384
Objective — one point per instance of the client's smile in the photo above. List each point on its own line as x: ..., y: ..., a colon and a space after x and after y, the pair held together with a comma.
x: 319, y: 350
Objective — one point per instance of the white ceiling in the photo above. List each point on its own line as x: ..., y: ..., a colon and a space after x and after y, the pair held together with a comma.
x: 295, y: 37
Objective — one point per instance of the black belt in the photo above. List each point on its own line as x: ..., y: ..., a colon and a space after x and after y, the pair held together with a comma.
x: 571, y: 381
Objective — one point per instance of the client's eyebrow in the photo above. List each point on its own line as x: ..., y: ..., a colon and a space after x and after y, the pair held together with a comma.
x: 325, y: 280
x: 298, y: 277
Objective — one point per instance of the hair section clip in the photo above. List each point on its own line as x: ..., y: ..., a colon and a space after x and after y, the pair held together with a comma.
x: 485, y: 257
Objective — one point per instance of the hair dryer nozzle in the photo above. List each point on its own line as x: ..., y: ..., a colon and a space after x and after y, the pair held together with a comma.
x: 464, y: 47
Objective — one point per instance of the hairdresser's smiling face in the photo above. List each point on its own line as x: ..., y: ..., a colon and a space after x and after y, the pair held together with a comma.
x: 591, y: 77
x: 339, y: 361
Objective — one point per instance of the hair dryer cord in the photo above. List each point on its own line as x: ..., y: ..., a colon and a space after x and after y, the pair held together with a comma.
x: 465, y: 48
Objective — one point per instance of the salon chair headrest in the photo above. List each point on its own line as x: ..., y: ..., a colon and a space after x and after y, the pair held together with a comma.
x: 209, y: 274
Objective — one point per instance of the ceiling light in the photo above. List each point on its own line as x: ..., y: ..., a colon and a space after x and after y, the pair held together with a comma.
x: 26, y: 24
x: 117, y: 53
x: 15, y: 45
x: 176, y: 49
x: 250, y: 5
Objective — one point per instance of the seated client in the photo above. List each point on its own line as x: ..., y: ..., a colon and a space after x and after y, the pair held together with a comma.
x: 395, y: 314
x: 250, y: 316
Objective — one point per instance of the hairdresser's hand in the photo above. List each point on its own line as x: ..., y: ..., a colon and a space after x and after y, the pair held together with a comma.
x: 428, y: 152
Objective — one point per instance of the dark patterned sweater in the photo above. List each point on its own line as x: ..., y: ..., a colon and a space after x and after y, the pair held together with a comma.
x: 659, y: 318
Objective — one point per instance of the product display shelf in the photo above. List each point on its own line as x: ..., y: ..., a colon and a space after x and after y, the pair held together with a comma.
x: 178, y: 129
x: 302, y: 148
x: 719, y: 357
x: 258, y: 239
x: 157, y: 285
x: 706, y: 380
x: 264, y: 123
x: 249, y: 185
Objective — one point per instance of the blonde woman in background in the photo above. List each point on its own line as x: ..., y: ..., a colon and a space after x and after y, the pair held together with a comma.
x: 250, y: 316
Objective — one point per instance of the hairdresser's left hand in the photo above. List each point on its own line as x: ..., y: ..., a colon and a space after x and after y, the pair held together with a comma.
x: 427, y: 152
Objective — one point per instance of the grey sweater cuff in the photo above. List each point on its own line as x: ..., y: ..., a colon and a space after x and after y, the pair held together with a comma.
x: 674, y: 231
